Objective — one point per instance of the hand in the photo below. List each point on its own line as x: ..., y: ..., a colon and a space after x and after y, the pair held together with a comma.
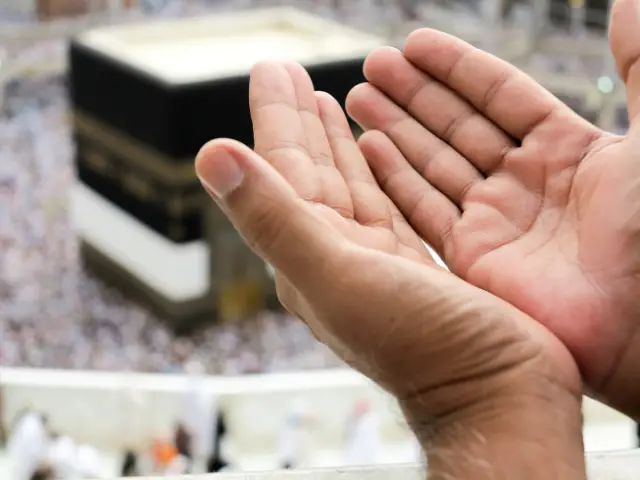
x: 519, y: 195
x: 459, y: 360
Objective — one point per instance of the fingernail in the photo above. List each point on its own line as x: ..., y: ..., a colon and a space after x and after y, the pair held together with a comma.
x: 219, y: 172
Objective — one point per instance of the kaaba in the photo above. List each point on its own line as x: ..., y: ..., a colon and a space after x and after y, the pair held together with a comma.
x: 145, y: 98
x: 596, y: 17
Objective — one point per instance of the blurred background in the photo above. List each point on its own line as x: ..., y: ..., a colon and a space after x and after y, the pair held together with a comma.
x: 137, y: 335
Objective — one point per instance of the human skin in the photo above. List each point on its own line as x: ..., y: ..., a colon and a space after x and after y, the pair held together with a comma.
x: 490, y: 392
x: 518, y: 194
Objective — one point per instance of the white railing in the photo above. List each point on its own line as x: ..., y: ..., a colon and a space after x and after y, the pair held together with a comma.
x: 97, y: 407
x: 601, y: 467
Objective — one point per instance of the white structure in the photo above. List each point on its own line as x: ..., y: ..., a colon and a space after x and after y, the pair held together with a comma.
x: 190, y: 50
x: 98, y: 408
x: 114, y: 410
x: 601, y: 467
x: 178, y: 272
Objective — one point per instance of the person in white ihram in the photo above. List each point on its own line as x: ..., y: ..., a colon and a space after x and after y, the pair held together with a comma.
x: 178, y: 466
x: 28, y: 445
x: 87, y: 462
x: 199, y: 413
x: 294, y: 443
x: 62, y: 457
x: 363, y: 444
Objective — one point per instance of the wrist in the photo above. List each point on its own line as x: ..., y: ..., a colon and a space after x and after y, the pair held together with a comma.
x: 510, y: 428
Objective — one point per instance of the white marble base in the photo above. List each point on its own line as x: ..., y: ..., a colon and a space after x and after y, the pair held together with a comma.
x: 178, y: 272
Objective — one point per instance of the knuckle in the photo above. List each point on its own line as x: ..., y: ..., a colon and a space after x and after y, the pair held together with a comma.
x: 266, y: 229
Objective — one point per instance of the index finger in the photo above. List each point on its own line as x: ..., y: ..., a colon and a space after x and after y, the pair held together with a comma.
x: 278, y: 129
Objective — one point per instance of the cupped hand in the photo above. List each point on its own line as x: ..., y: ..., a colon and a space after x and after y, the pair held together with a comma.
x: 350, y: 266
x: 518, y: 194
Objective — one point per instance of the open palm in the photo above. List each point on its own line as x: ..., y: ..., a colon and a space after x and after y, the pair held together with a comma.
x: 305, y: 136
x: 518, y: 194
x: 346, y: 260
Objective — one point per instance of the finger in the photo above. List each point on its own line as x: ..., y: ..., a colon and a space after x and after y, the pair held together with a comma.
x: 441, y: 166
x: 372, y: 206
x: 439, y: 109
x: 334, y: 190
x: 278, y: 129
x: 317, y: 142
x: 624, y: 36
x: 369, y: 204
x: 427, y: 210
x: 408, y: 236
x: 268, y: 213
x: 506, y: 95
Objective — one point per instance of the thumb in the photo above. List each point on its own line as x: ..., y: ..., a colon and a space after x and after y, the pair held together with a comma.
x: 624, y: 36
x: 266, y: 211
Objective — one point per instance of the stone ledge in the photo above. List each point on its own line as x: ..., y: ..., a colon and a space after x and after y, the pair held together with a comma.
x: 602, y: 466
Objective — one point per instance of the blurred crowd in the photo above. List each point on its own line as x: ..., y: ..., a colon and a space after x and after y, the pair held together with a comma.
x: 36, y: 452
